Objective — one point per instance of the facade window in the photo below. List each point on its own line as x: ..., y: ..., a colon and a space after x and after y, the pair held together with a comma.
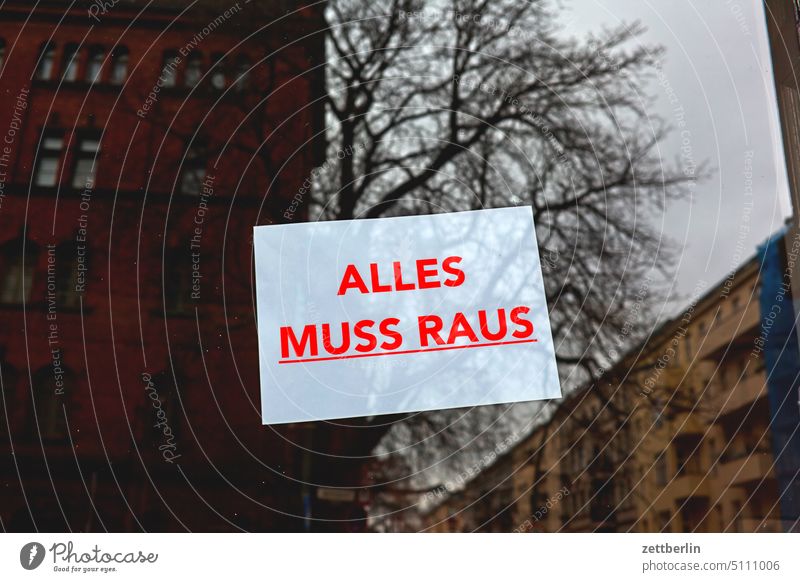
x: 194, y: 69
x: 193, y: 171
x: 70, y: 61
x: 67, y: 275
x: 661, y: 469
x: 86, y: 153
x: 119, y: 65
x: 658, y: 412
x: 169, y: 69
x: 218, y: 74
x: 664, y: 519
x: 49, y: 159
x: 713, y: 452
x: 736, y: 519
x: 18, y: 267
x: 94, y: 67
x: 242, y: 73
x: 47, y: 56
x: 8, y: 398
x: 48, y: 399
x: 177, y: 276
x: 719, y: 521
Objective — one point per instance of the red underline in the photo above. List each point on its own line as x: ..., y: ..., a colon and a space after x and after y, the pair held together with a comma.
x: 441, y: 349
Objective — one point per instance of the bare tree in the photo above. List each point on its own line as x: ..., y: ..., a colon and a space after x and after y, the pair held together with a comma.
x: 438, y: 106
x: 465, y: 104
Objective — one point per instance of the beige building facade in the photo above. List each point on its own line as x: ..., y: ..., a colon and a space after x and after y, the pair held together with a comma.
x: 675, y: 437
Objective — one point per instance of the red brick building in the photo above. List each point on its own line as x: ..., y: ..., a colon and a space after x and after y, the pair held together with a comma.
x: 138, y: 148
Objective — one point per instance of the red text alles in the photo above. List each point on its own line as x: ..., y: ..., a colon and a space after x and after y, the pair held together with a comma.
x: 370, y: 338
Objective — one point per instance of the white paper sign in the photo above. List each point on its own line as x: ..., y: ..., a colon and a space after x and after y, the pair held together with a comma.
x: 367, y: 317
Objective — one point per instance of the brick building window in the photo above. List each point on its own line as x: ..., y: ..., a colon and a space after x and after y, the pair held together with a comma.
x: 94, y: 66
x: 67, y: 275
x: 119, y: 65
x: 47, y: 57
x: 218, y: 80
x: 194, y: 69
x: 169, y: 69
x: 193, y: 170
x: 70, y: 63
x: 87, y: 150
x: 242, y: 73
x: 18, y: 266
x: 49, y: 159
x: 177, y: 276
x: 8, y: 398
x: 49, y: 421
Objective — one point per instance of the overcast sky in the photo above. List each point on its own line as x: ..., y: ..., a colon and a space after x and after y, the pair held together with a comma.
x: 717, y: 67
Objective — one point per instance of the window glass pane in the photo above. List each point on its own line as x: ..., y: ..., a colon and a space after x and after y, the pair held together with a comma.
x: 218, y: 76
x: 67, y: 276
x: 71, y: 64
x: 45, y: 69
x: 242, y: 73
x: 84, y: 173
x: 218, y: 80
x: 192, y: 180
x: 119, y: 69
x: 47, y: 172
x: 8, y: 397
x: 194, y: 70
x: 12, y: 285
x: 89, y: 145
x: 168, y: 70
x: 17, y: 281
x: 53, y: 143
x: 193, y: 171
x: 49, y: 409
x: 95, y: 67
